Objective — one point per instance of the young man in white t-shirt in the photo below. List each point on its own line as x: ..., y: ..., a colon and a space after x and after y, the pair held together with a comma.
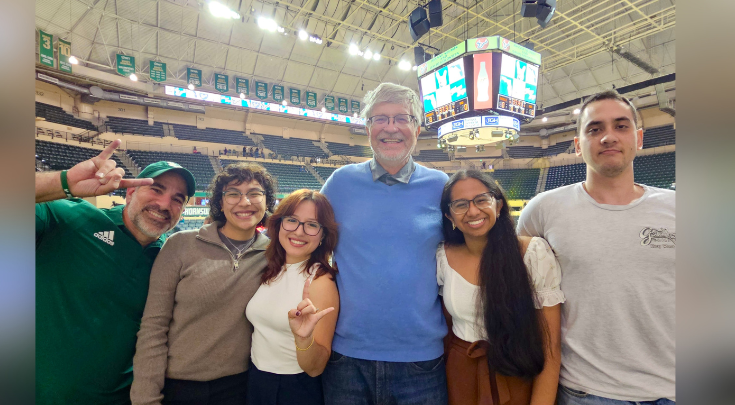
x: 616, y: 243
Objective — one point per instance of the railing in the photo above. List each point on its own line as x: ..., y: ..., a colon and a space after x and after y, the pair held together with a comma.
x: 68, y: 136
x: 162, y: 147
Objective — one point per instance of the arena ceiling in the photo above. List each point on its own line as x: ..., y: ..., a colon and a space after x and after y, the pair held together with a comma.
x: 581, y: 47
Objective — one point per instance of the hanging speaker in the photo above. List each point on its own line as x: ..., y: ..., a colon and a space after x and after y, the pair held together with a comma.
x: 419, y: 24
x: 529, y: 8
x: 545, y: 12
x: 435, y: 13
x: 419, y: 55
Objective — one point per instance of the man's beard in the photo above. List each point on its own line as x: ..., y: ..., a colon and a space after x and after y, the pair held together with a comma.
x: 150, y: 229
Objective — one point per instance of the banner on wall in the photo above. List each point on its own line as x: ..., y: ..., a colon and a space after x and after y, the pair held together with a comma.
x: 221, y: 83
x: 194, y: 76
x: 64, y: 55
x: 295, y: 96
x: 342, y: 105
x: 46, y: 48
x: 261, y: 90
x: 242, y: 86
x: 329, y: 103
x: 355, y: 106
x: 277, y: 93
x: 157, y: 71
x: 311, y: 99
x: 125, y: 64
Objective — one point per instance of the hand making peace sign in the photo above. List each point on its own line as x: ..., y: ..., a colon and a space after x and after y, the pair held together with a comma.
x: 304, y: 318
x: 100, y: 176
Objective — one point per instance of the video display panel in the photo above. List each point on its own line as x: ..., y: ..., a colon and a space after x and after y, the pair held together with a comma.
x: 483, y: 71
x: 518, y: 86
x: 444, y: 92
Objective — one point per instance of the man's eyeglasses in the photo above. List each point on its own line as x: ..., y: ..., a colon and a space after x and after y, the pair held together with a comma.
x: 311, y: 228
x: 400, y: 120
x: 234, y: 196
x: 481, y: 201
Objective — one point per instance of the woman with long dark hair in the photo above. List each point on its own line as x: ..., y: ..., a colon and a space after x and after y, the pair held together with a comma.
x: 294, y: 312
x: 502, y: 294
x: 194, y: 340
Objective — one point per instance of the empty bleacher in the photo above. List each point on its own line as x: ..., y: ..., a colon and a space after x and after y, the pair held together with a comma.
x: 325, y: 172
x: 518, y: 184
x: 59, y: 116
x: 564, y: 175
x: 656, y: 170
x: 61, y: 156
x: 133, y: 126
x: 215, y: 135
x: 531, y: 152
x: 659, y: 136
x: 292, y: 146
x: 198, y: 165
x: 431, y: 155
x: 289, y: 177
x: 347, y: 150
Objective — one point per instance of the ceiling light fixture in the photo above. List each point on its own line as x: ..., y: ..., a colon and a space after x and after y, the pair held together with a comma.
x: 544, y: 119
x: 376, y: 56
x: 404, y: 65
x: 324, y: 109
x: 354, y: 50
x: 268, y: 24
x: 414, y: 67
x: 303, y: 35
x: 242, y: 95
x: 368, y: 54
x: 284, y: 102
x: 221, y: 11
x: 190, y: 86
x: 73, y: 60
x: 133, y: 77
x: 576, y: 111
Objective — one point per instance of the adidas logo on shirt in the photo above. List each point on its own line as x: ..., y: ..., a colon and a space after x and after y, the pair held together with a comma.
x: 106, y: 237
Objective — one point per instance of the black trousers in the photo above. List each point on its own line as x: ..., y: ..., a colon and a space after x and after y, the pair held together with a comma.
x: 229, y: 390
x: 283, y: 389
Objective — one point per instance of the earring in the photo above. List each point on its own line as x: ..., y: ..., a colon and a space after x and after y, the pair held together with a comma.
x: 454, y: 226
x: 320, y: 243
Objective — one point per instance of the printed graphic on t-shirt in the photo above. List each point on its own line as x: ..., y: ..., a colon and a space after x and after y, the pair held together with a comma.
x: 658, y: 238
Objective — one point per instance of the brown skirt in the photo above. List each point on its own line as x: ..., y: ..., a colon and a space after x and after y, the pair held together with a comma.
x: 468, y: 377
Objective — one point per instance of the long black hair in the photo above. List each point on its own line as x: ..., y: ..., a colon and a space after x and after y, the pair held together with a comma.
x: 513, y: 327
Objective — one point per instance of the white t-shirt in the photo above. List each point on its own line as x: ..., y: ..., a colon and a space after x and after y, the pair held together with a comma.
x: 273, y: 349
x: 618, y: 276
x: 460, y: 296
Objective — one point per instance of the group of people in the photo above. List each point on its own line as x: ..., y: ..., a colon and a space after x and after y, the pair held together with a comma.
x: 394, y: 284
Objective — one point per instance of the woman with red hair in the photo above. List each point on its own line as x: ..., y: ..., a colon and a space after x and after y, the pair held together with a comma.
x: 294, y: 312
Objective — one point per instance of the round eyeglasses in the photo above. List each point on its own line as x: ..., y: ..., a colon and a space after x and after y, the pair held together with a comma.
x: 311, y: 228
x: 481, y: 201
x: 233, y: 197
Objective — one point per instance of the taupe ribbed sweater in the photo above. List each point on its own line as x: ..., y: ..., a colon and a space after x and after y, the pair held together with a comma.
x: 194, y: 325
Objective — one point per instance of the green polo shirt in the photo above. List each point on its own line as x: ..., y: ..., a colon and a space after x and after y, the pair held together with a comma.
x: 91, y: 287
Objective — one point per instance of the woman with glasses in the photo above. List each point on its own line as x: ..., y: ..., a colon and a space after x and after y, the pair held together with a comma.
x: 502, y: 296
x: 294, y: 312
x: 194, y: 340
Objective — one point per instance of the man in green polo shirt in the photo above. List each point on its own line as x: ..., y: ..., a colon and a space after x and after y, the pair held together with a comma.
x: 92, y: 271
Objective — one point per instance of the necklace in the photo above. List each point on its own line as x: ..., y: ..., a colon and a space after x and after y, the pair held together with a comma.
x: 245, y: 245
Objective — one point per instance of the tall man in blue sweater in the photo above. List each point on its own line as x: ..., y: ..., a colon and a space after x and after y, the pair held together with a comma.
x: 387, y: 347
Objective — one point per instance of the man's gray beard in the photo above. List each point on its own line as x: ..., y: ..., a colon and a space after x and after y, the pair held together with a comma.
x: 143, y: 227
x: 380, y: 156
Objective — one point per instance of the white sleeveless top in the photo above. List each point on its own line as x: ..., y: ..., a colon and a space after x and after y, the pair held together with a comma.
x: 273, y: 348
x: 460, y: 296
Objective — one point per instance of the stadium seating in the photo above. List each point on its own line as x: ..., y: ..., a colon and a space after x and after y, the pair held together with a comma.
x: 133, y: 126
x: 289, y: 177
x: 656, y: 170
x: 292, y: 146
x: 61, y: 156
x: 347, y: 150
x: 186, y: 225
x: 325, y: 172
x: 651, y: 170
x: 432, y: 155
x: 563, y: 175
x: 215, y: 135
x: 59, y: 116
x: 659, y: 136
x: 518, y: 184
x: 531, y: 152
x: 199, y: 165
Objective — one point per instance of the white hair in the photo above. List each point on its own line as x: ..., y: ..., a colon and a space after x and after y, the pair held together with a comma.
x: 394, y: 94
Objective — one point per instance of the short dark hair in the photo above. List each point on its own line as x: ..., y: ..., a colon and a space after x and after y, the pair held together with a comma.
x: 241, y: 172
x: 608, y: 95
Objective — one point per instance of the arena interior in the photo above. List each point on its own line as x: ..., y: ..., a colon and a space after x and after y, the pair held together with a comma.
x: 320, y: 56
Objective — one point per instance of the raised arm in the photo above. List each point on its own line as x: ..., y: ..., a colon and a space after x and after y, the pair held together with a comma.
x: 313, y: 330
x: 93, y: 177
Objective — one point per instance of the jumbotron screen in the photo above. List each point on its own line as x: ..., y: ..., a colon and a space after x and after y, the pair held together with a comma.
x: 518, y: 86
x: 444, y: 92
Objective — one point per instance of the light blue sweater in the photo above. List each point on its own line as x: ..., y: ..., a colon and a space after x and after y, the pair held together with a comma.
x: 389, y: 299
